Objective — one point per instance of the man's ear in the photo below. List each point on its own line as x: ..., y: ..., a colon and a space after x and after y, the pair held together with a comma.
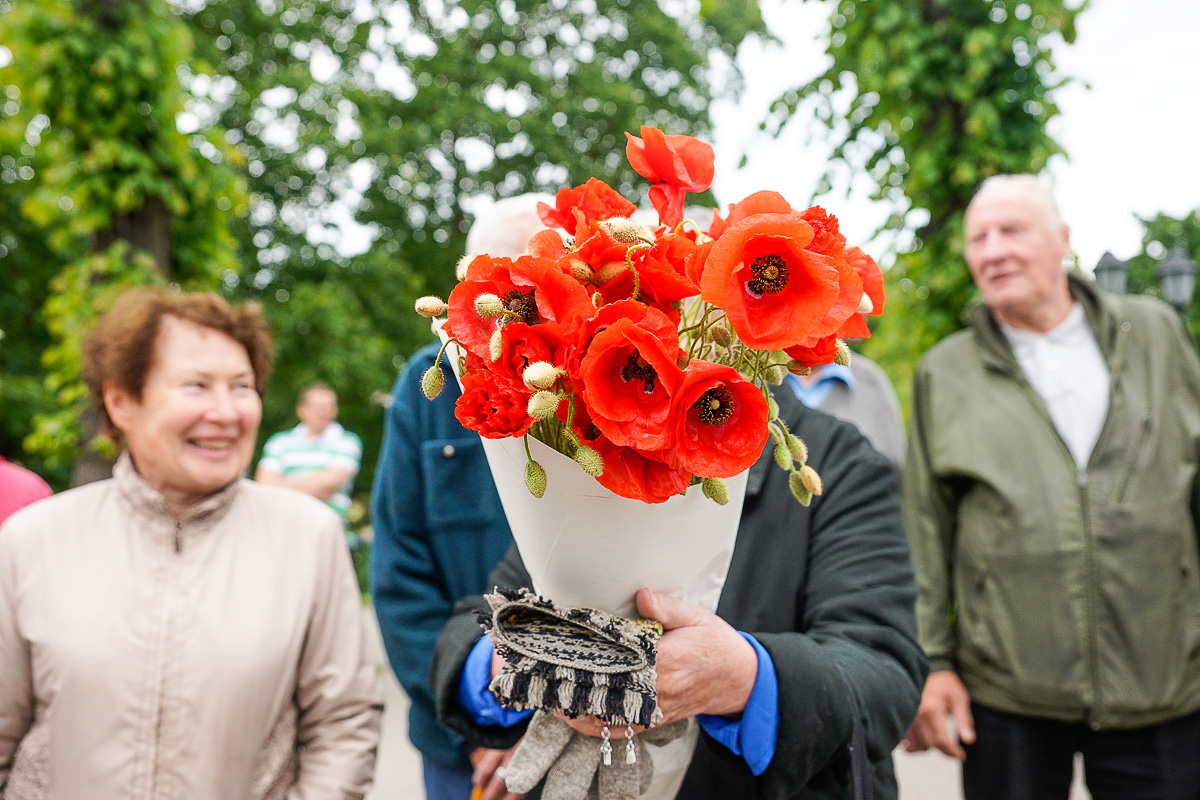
x: 119, y: 405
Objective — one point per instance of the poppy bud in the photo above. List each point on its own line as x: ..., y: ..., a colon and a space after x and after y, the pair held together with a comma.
x: 811, y: 480
x: 590, y: 460
x: 716, y: 490
x: 866, y: 305
x: 798, y: 448
x: 796, y: 368
x: 625, y: 231
x: 540, y: 375
x: 430, y: 307
x: 683, y: 361
x: 432, y: 382
x: 488, y: 306
x: 460, y: 269
x: 721, y: 335
x: 535, y: 479
x: 772, y: 409
x: 802, y: 494
x: 542, y: 405
x: 496, y: 346
x: 783, y: 456
x: 775, y: 374
x: 610, y: 270
x: 580, y: 271
x: 843, y: 354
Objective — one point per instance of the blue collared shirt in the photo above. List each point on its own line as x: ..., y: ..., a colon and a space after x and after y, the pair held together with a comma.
x: 752, y: 735
x: 812, y: 396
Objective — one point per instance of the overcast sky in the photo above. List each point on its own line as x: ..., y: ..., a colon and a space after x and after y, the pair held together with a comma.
x: 1132, y: 137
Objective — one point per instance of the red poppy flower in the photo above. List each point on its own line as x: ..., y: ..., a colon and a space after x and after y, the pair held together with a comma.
x: 872, y: 279
x: 628, y: 379
x: 764, y: 202
x: 774, y: 291
x: 661, y: 273
x: 677, y: 165
x: 827, y: 237
x: 813, y: 352
x: 629, y: 472
x: 828, y: 243
x: 547, y: 244
x: 492, y: 407
x: 536, y: 289
x: 648, y: 318
x: 594, y: 200
x: 522, y: 345
x: 720, y: 421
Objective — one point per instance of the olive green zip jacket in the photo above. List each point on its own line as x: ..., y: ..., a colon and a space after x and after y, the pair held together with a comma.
x: 1056, y: 591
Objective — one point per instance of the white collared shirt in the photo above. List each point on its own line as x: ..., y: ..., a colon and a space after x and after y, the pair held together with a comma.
x: 1065, y: 366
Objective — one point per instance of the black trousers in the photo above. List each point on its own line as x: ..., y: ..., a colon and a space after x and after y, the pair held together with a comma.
x: 1028, y: 758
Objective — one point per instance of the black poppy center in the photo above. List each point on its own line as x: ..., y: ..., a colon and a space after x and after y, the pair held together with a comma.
x: 523, y: 305
x: 715, y: 406
x: 638, y: 369
x: 769, y: 274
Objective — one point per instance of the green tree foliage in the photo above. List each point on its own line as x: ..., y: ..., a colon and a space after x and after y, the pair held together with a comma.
x: 402, y: 113
x: 1162, y: 234
x: 102, y: 190
x: 928, y: 99
x: 318, y: 156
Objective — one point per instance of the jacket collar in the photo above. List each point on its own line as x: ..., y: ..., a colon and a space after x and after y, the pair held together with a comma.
x: 1099, y: 310
x: 147, y: 502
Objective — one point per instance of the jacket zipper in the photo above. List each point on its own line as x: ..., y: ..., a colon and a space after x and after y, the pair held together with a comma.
x: 162, y: 687
x: 1085, y: 507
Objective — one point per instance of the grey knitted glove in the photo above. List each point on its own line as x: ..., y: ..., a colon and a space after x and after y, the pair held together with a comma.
x: 573, y: 765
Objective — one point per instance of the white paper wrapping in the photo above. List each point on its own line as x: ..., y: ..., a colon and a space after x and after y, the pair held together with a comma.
x: 585, y: 546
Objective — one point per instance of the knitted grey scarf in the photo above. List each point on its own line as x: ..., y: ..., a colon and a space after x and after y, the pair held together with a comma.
x: 580, y: 661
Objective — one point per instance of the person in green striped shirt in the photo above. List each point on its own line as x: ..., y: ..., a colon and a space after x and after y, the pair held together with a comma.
x: 318, y: 456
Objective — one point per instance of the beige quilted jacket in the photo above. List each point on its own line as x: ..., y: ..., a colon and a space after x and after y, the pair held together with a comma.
x: 218, y: 658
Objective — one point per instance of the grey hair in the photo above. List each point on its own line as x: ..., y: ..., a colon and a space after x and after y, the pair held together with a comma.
x: 504, y: 228
x: 1029, y: 186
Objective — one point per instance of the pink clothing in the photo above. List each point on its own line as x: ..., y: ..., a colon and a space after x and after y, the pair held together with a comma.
x: 18, y: 488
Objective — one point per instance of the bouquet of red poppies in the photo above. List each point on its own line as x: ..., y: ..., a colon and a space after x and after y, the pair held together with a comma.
x: 645, y: 353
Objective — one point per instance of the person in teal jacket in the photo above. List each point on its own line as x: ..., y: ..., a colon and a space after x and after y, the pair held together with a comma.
x: 1051, y: 497
x: 438, y: 524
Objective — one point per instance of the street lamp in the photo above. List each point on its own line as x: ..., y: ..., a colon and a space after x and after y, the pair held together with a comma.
x: 1177, y: 277
x: 1111, y: 273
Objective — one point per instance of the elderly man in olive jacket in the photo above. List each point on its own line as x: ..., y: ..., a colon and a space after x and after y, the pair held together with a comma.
x: 1051, y: 498
x: 827, y: 591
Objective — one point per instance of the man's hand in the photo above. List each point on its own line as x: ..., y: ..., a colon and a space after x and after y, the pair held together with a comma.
x: 944, y: 694
x: 488, y: 785
x: 704, y: 665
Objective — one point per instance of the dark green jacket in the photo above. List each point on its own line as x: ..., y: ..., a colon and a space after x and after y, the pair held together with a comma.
x: 1056, y: 591
x: 828, y: 590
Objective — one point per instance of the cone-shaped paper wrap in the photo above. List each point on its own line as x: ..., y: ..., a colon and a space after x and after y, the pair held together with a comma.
x: 585, y: 546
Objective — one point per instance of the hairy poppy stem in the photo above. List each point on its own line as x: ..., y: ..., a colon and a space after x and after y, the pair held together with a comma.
x: 637, y: 280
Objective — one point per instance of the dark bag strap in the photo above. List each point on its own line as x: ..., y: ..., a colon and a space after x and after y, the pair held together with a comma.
x: 860, y: 766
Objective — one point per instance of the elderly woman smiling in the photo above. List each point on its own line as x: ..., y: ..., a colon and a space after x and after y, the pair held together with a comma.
x: 178, y: 631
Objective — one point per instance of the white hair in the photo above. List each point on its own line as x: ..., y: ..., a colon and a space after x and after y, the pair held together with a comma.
x: 1025, y: 186
x: 505, y: 227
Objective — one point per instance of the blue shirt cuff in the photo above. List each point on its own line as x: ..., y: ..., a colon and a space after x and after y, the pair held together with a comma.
x: 473, y: 692
x: 752, y: 735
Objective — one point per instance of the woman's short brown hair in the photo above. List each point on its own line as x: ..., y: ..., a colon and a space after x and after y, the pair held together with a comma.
x: 120, y: 349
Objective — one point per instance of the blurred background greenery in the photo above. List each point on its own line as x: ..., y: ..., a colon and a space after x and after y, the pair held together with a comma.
x: 325, y: 157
